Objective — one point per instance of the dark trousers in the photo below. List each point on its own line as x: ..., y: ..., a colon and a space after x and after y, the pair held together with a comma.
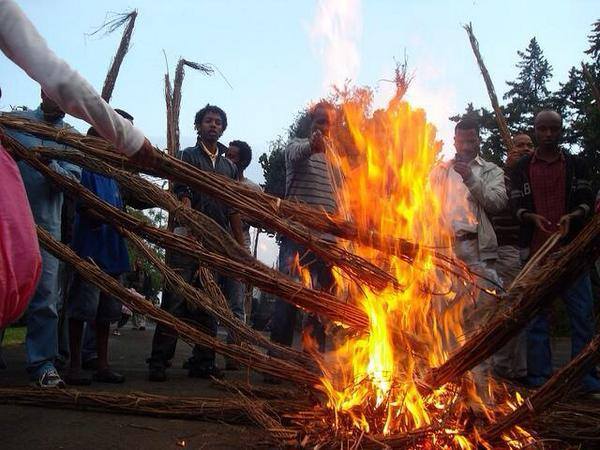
x: 165, y: 339
x: 285, y: 314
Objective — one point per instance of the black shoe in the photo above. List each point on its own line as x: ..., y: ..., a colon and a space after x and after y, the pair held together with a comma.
x: 158, y: 374
x: 109, y: 376
x: 90, y: 364
x: 205, y: 372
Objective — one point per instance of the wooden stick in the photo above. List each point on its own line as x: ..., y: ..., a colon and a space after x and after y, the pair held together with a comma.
x: 561, y: 383
x: 245, y: 355
x: 113, y: 71
x: 269, y: 281
x: 591, y: 84
x: 500, y: 120
x: 540, y: 288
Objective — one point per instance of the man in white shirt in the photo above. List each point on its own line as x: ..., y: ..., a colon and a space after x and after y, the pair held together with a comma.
x: 470, y: 188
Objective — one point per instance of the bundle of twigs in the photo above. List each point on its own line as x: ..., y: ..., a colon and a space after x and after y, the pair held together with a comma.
x: 246, y: 356
x: 571, y: 422
x: 286, y: 217
x: 502, y: 126
x: 113, y: 71
x: 139, y: 403
x: 215, y: 304
x: 268, y: 210
x: 271, y: 281
x: 535, y: 290
x: 561, y: 383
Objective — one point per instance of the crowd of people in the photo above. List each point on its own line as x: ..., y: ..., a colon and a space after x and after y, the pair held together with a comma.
x: 500, y: 217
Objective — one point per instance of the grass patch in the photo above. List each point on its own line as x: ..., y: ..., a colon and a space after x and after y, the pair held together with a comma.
x: 14, y: 336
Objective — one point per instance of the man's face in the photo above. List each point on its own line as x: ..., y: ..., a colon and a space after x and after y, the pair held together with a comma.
x: 548, y: 129
x: 233, y: 154
x: 522, y: 145
x: 322, y: 120
x: 211, y: 127
x: 466, y: 143
x: 51, y: 110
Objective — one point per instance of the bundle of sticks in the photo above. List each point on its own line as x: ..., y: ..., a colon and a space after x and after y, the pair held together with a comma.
x: 216, y: 250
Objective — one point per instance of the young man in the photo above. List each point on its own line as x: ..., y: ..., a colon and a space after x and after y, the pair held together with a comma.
x: 308, y: 181
x: 46, y: 205
x: 470, y: 188
x: 551, y: 193
x: 102, y: 243
x: 510, y: 362
x: 210, y: 122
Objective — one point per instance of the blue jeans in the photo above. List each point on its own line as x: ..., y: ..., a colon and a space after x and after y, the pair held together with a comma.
x: 234, y: 292
x: 285, y: 314
x: 579, y: 302
x: 41, y: 342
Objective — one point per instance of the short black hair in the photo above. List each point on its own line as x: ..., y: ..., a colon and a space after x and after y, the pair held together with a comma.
x: 467, y: 124
x: 213, y: 109
x: 92, y: 131
x: 245, y: 153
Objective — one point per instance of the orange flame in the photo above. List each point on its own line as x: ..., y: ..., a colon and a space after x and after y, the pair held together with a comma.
x: 370, y: 379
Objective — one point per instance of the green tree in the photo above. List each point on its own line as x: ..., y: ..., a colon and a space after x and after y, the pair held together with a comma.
x: 529, y: 93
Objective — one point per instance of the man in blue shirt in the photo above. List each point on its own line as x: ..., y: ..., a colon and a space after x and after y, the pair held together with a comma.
x: 102, y: 243
x: 46, y: 204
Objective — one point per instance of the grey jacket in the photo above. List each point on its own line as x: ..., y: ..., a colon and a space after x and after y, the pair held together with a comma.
x: 487, y: 196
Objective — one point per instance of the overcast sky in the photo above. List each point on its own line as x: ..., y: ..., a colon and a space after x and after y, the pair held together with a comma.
x: 280, y: 55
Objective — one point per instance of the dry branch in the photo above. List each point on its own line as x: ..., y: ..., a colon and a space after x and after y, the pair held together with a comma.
x: 246, y: 356
x: 272, y: 281
x: 561, y: 383
x: 113, y: 71
x: 534, y: 291
x: 227, y: 410
x: 275, y: 214
x: 504, y: 132
x: 214, y: 303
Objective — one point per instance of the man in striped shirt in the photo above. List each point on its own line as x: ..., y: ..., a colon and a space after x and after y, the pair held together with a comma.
x: 308, y: 180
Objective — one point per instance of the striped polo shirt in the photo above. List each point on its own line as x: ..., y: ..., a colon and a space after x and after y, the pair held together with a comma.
x: 307, y: 176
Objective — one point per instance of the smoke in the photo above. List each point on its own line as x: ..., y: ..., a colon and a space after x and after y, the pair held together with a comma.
x: 335, y: 33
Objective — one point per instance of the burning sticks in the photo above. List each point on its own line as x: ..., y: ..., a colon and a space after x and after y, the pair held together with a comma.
x: 536, y: 289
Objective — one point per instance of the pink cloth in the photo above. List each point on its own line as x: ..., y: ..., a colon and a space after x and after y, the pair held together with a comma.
x: 20, y: 259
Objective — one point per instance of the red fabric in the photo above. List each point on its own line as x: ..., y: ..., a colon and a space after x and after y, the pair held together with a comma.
x: 548, y: 188
x: 20, y: 259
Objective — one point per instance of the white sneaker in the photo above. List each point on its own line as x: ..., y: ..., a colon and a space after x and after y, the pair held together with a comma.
x: 49, y: 379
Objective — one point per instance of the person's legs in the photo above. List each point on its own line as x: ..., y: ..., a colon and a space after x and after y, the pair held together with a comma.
x: 511, y: 360
x: 283, y: 322
x: 89, y: 347
x: 109, y: 310
x: 539, y: 354
x: 164, y: 341
x: 234, y: 292
x: 41, y: 342
x: 580, y: 307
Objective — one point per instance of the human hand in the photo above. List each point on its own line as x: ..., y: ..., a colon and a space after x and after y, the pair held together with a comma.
x: 317, y: 142
x: 540, y: 222
x: 147, y: 156
x: 463, y: 169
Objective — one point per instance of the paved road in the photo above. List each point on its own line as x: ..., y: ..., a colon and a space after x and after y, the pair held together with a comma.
x: 26, y: 427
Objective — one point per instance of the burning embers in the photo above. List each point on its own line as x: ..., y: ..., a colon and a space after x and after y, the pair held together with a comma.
x: 371, y: 380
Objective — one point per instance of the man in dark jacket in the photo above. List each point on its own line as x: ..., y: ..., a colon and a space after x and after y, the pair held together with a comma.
x: 551, y: 193
x: 210, y: 123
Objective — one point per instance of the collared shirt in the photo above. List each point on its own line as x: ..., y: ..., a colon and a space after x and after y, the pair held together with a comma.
x: 213, y: 208
x: 466, y: 203
x: 212, y: 156
x: 549, y: 194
